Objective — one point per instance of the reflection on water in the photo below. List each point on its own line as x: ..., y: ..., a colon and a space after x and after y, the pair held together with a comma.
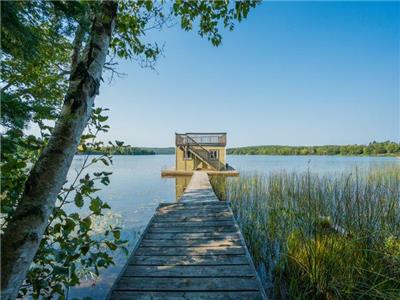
x: 137, y: 188
x: 181, y: 182
x: 135, y: 191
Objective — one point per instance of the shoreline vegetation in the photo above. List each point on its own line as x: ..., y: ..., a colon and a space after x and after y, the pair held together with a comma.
x: 321, y: 237
x: 386, y: 148
x: 128, y: 150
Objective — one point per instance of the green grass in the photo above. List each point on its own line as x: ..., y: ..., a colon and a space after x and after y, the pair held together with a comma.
x: 321, y: 237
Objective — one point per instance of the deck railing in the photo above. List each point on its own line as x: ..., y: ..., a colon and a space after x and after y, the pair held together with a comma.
x: 202, y: 153
x: 204, y: 139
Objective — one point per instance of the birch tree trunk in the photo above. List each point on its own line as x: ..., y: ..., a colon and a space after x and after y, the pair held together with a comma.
x: 23, y: 234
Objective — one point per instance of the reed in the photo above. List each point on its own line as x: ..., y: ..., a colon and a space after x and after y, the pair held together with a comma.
x: 321, y: 237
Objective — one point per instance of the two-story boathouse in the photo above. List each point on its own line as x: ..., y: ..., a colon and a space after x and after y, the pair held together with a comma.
x: 200, y: 151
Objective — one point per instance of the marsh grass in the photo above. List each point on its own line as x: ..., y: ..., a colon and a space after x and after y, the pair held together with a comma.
x: 321, y: 237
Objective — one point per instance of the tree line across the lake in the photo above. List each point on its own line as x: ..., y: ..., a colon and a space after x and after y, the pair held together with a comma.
x: 375, y: 148
x: 127, y: 150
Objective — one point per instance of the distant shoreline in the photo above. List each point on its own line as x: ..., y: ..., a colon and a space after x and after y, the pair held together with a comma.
x: 375, y: 149
x: 343, y: 155
x: 359, y: 155
x: 386, y: 148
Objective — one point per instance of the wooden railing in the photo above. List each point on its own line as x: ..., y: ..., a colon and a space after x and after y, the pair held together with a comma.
x: 202, y: 153
x: 205, y: 139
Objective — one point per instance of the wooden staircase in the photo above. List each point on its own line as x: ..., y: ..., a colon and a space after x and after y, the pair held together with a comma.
x: 202, y: 153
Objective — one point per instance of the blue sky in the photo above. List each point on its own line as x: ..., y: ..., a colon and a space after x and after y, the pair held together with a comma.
x: 291, y: 74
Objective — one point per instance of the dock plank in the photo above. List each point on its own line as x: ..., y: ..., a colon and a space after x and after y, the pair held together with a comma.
x: 193, y: 229
x: 191, y: 218
x: 187, y: 284
x: 191, y: 243
x: 128, y: 295
x: 192, y: 249
x: 192, y: 236
x: 207, y: 250
x: 194, y: 260
x: 194, y: 224
x: 189, y: 271
x: 194, y: 214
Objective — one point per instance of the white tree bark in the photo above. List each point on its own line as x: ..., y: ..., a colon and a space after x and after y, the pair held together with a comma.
x: 24, y: 232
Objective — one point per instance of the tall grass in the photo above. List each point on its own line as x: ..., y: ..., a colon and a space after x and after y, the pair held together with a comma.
x: 321, y: 237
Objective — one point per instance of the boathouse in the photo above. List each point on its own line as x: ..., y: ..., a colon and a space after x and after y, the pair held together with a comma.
x: 200, y: 151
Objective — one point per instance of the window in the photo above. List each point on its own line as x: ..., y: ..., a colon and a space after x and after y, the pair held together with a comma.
x: 214, y: 154
x: 187, y: 154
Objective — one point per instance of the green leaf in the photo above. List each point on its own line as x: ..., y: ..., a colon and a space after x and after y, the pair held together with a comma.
x: 60, y: 270
x: 87, y: 136
x: 105, y: 180
x: 74, y: 216
x: 105, y: 161
x: 57, y: 228
x: 102, y: 118
x: 101, y: 263
x: 86, y: 223
x: 125, y: 250
x: 95, y: 205
x: 84, y: 249
x: 119, y: 143
x: 111, y: 245
x: 74, y: 280
x: 149, y: 5
x: 117, y: 234
x: 69, y: 225
x: 79, y: 200
x: 106, y: 206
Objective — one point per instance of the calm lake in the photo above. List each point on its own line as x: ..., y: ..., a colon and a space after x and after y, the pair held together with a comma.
x: 137, y: 188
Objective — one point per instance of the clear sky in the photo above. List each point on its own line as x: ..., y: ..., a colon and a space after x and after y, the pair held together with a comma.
x: 290, y: 74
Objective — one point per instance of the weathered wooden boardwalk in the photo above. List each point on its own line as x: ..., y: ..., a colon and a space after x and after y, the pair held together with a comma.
x: 190, y: 250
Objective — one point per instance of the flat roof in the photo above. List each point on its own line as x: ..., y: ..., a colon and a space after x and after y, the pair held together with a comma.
x: 201, y: 133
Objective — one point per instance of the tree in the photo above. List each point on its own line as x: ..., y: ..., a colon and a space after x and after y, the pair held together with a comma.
x: 29, y: 220
x: 23, y: 234
x: 35, y: 70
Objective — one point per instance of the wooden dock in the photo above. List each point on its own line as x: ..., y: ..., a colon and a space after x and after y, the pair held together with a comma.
x: 173, y: 173
x: 192, y: 249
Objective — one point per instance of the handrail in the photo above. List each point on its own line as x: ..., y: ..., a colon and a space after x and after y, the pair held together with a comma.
x: 197, y: 144
x: 208, y: 139
x: 195, y: 151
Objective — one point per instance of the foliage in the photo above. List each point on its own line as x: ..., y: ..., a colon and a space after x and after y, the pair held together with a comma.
x: 39, y: 40
x: 129, y: 150
x: 374, y: 148
x: 32, y: 87
x: 211, y: 16
x: 34, y: 63
x: 321, y: 237
x: 70, y: 248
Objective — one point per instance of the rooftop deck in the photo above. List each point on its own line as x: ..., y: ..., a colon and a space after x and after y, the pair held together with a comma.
x: 204, y: 139
x: 192, y: 249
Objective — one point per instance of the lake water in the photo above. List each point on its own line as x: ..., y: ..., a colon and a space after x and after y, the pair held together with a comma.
x: 137, y: 188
